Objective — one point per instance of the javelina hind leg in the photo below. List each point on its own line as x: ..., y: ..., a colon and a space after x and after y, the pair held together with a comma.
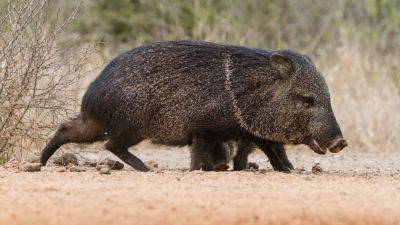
x: 269, y: 149
x: 195, y: 159
x: 119, y: 146
x: 76, y: 130
x: 219, y: 156
x: 240, y: 160
x: 198, y: 154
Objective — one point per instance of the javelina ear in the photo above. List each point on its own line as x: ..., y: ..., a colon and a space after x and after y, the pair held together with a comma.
x: 281, y: 64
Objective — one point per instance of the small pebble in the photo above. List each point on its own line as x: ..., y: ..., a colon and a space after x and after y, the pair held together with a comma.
x: 300, y: 170
x: 31, y: 167
x: 252, y: 166
x: 316, y: 168
x: 77, y: 169
x: 66, y: 159
x: 61, y: 170
x: 105, y: 169
x: 98, y: 167
x: 90, y: 164
x: 113, y: 164
x: 152, y: 164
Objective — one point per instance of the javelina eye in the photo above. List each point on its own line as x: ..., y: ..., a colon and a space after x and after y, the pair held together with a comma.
x: 306, y: 101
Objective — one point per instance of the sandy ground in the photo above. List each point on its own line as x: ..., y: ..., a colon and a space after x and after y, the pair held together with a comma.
x: 353, y: 189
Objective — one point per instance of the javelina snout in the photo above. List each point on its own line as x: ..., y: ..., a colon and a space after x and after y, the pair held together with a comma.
x: 337, y: 145
x: 326, y: 133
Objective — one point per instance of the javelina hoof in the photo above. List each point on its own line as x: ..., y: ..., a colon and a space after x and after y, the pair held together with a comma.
x: 316, y: 168
x: 77, y: 169
x: 113, y: 164
x: 65, y: 159
x: 220, y: 167
x: 105, y: 169
x: 252, y: 165
x: 31, y: 167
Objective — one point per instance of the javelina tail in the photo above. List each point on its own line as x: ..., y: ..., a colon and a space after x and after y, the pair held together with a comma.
x: 77, y: 130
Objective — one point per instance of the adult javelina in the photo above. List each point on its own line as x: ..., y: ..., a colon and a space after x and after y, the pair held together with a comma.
x: 189, y: 92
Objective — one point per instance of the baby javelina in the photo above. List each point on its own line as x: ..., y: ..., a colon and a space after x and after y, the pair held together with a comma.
x: 195, y: 93
x: 219, y: 155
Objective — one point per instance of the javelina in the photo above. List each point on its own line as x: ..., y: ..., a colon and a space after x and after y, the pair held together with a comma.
x: 216, y: 156
x: 213, y: 157
x: 192, y: 93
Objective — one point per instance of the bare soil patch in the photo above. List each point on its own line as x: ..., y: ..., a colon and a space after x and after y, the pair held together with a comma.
x: 351, y: 189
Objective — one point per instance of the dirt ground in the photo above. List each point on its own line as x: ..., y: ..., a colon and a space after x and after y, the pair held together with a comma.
x: 352, y: 189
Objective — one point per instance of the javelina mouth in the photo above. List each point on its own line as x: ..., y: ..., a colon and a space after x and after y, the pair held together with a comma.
x: 317, y: 148
x: 338, y: 145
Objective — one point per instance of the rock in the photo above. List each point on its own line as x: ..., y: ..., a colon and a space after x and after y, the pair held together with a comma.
x: 316, y: 168
x: 152, y: 164
x: 34, y: 159
x: 31, y: 167
x: 98, y: 167
x: 113, y: 164
x: 65, y: 159
x: 252, y: 166
x: 61, y: 170
x: 300, y: 170
x: 105, y: 169
x: 89, y: 164
x: 77, y: 169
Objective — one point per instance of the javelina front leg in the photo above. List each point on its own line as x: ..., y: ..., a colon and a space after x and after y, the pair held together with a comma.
x: 119, y: 146
x: 270, y: 149
x: 280, y: 151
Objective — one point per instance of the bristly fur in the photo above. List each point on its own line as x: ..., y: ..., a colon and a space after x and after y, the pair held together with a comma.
x: 167, y: 90
x: 172, y: 92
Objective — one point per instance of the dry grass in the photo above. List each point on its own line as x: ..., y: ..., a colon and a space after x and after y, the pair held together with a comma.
x: 38, y: 78
x: 365, y: 98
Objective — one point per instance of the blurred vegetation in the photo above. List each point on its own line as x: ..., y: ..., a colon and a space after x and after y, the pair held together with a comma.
x: 311, y: 26
x: 306, y: 24
x: 356, y: 43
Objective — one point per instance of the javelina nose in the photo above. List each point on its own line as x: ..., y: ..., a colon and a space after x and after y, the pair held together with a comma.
x: 337, y: 145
